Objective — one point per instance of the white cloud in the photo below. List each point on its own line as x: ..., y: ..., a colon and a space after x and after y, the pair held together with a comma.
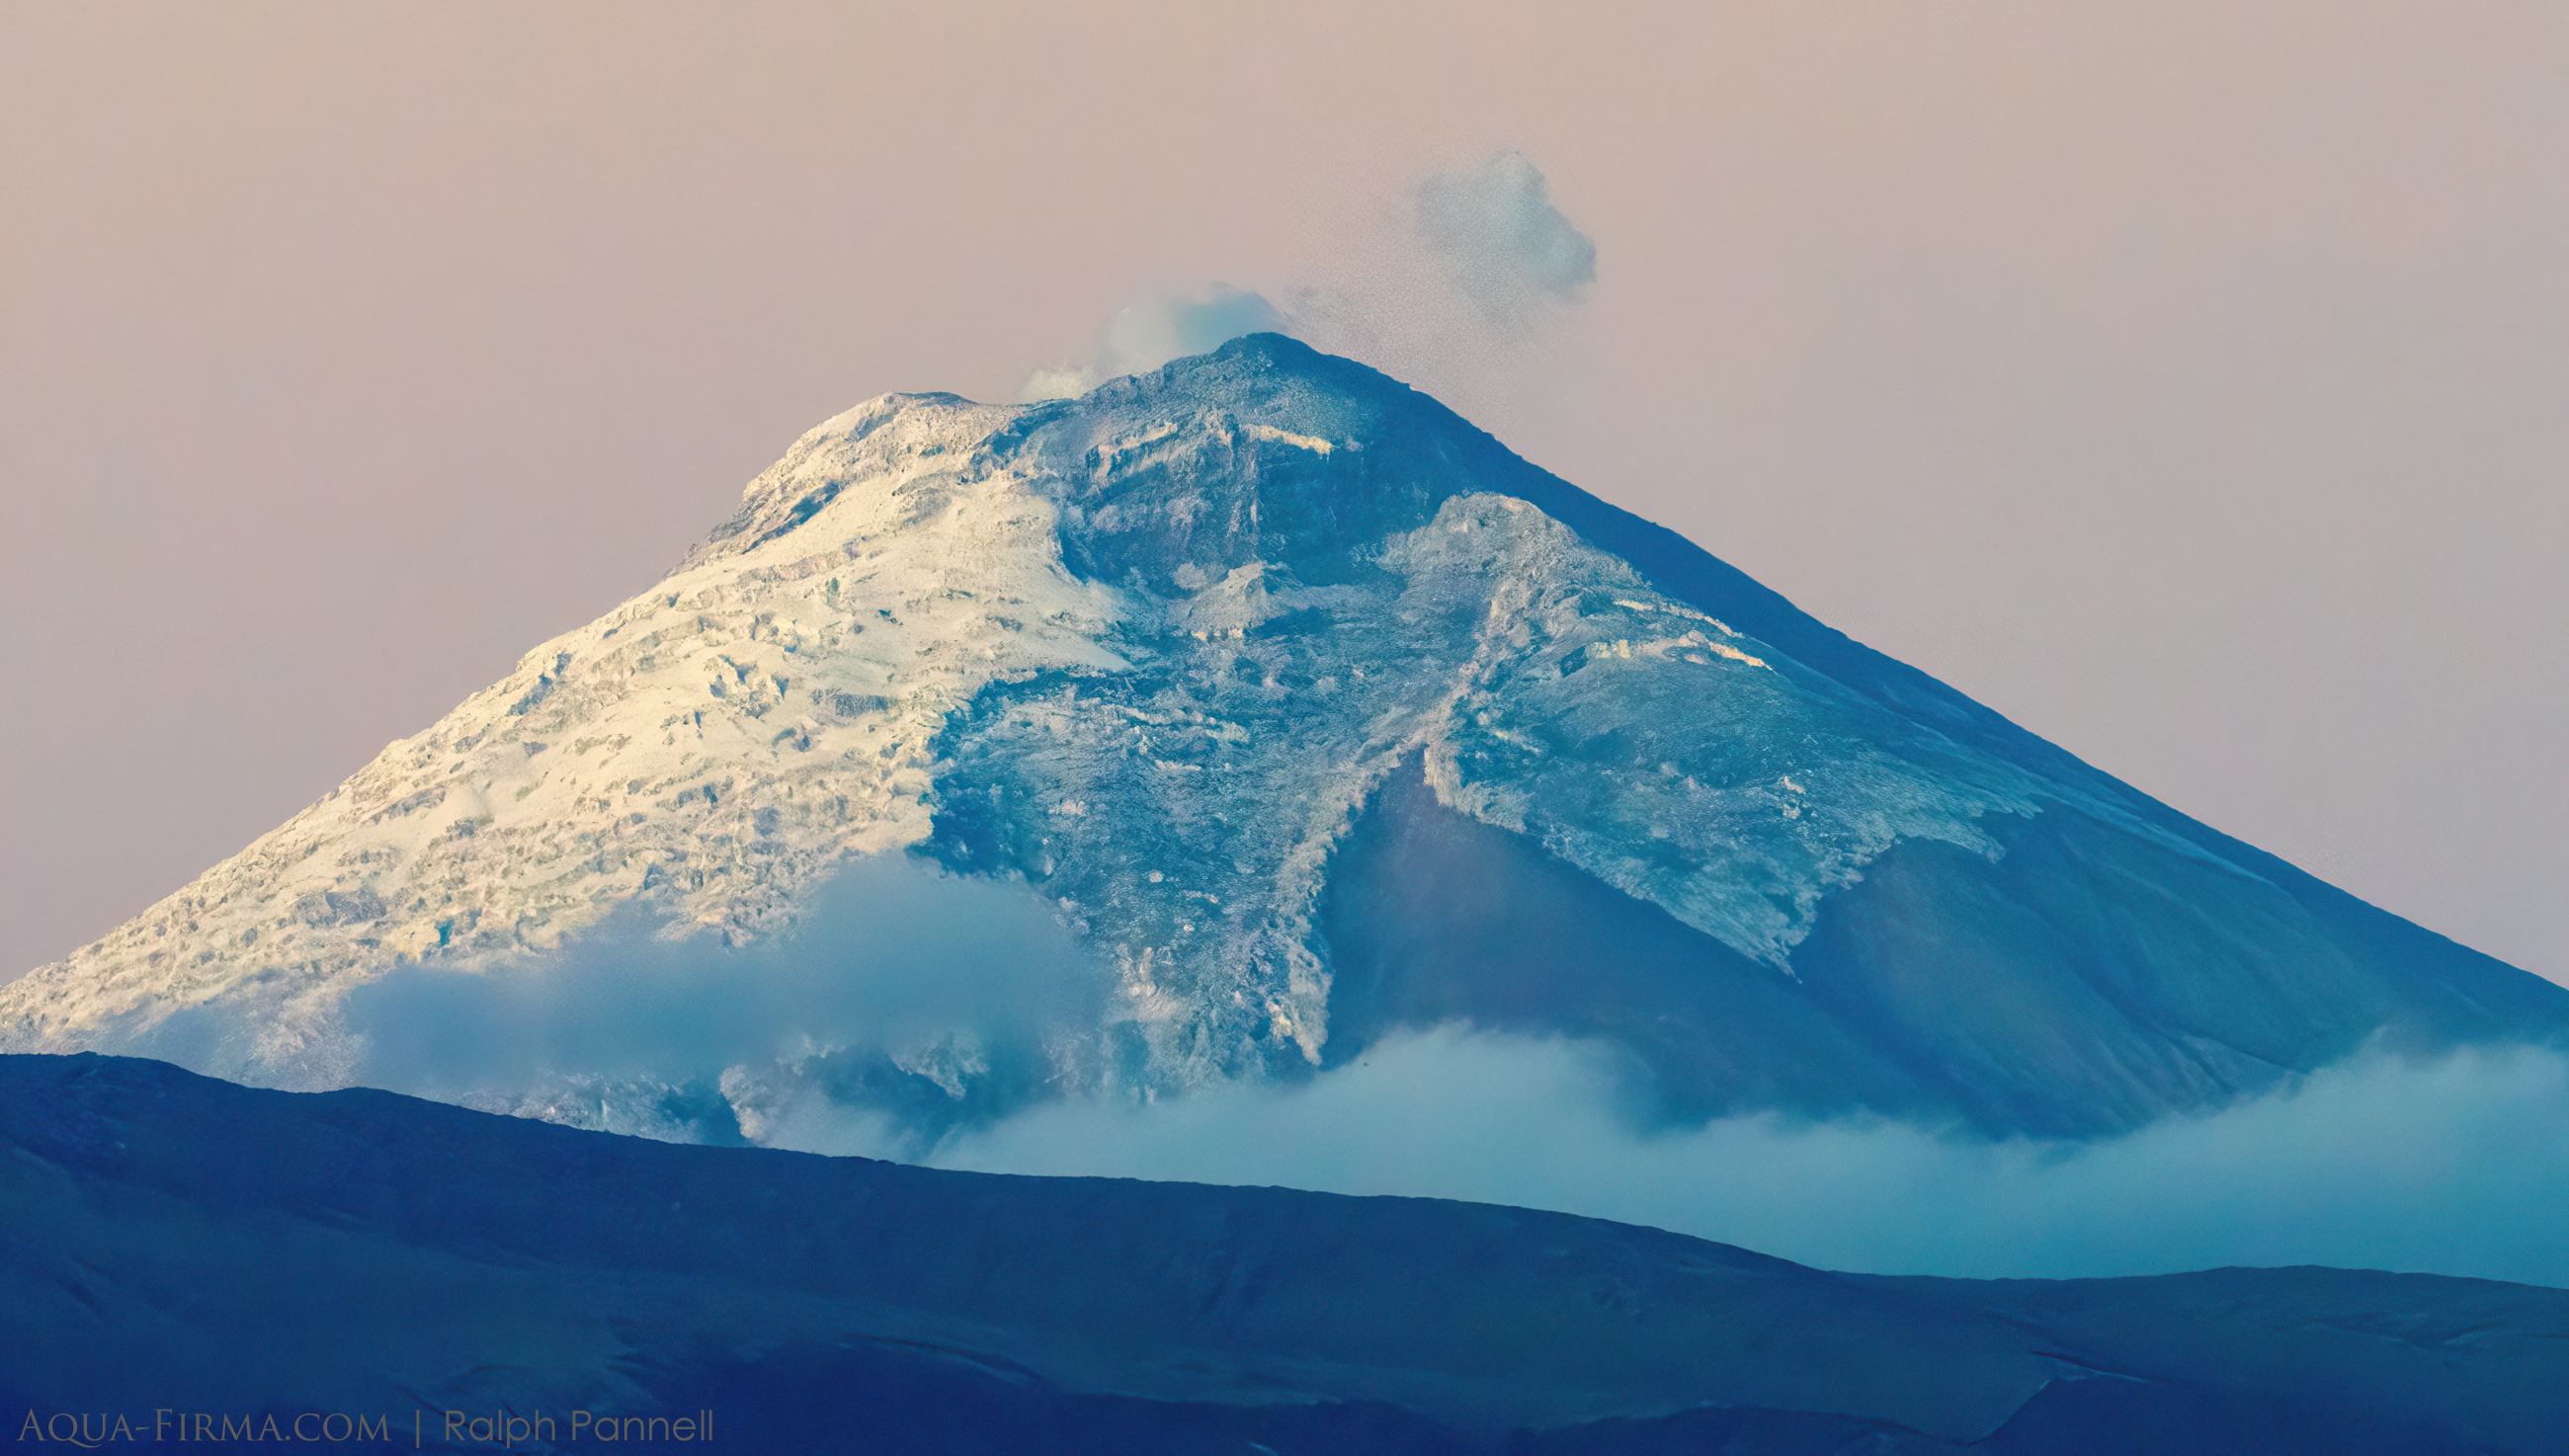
x: 929, y: 997
x: 1156, y: 328
x: 1449, y: 297
x: 2457, y: 1167
x: 1059, y: 381
x: 919, y: 1012
x: 1498, y: 238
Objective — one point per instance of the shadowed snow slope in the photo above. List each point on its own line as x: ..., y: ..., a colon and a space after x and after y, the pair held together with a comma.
x: 1308, y: 713
x: 180, y: 1244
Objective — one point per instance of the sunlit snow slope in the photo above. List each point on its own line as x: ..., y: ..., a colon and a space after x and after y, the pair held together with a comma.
x: 1310, y: 714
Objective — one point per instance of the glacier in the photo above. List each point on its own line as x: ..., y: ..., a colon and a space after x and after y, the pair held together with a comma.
x: 1288, y: 697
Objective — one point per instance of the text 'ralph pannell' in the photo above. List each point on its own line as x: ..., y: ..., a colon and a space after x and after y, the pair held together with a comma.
x: 500, y: 1428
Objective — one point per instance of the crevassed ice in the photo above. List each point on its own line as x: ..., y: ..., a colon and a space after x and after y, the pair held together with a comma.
x: 886, y: 651
x: 1549, y: 690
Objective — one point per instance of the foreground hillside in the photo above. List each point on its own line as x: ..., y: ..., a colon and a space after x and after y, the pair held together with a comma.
x: 177, y: 1243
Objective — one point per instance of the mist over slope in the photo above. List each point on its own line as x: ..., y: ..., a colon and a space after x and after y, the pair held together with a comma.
x: 1204, y: 732
x: 2456, y: 1166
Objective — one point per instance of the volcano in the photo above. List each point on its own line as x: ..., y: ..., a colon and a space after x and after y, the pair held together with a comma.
x: 1281, y: 711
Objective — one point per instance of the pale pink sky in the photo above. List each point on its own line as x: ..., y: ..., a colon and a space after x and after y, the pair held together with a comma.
x: 2189, y: 381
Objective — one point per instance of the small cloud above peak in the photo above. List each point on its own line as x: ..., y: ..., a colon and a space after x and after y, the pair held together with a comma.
x: 1058, y: 381
x: 1455, y: 287
x: 1158, y: 327
x: 1494, y: 231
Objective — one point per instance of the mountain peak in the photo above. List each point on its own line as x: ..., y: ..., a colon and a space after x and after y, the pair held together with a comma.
x: 1167, y: 662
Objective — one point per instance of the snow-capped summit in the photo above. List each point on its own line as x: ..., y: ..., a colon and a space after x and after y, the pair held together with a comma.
x: 1310, y: 714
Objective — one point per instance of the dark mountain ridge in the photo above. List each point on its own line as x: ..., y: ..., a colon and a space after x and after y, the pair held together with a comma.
x: 174, y: 1242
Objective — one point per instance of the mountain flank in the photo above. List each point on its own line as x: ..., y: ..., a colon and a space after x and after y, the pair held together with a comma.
x: 1286, y: 694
